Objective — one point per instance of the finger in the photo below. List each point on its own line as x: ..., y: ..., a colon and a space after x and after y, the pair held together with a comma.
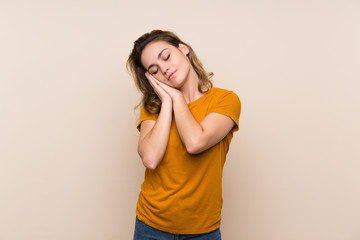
x: 151, y: 80
x: 150, y: 76
x: 159, y: 89
x: 155, y: 81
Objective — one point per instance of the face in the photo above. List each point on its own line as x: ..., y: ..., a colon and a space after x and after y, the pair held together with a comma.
x: 167, y: 63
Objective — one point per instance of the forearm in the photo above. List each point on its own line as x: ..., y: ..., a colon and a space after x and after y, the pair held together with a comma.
x: 190, y: 130
x: 153, y: 144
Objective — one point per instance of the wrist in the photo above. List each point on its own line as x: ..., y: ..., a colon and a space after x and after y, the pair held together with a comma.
x: 177, y: 96
x: 166, y: 104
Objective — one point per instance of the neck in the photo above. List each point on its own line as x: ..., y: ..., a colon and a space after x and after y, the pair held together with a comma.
x: 190, y: 88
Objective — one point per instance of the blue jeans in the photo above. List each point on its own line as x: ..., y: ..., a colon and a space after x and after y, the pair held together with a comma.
x: 145, y: 232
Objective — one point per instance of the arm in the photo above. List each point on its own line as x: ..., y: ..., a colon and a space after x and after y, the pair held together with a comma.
x: 198, y: 137
x: 154, y: 135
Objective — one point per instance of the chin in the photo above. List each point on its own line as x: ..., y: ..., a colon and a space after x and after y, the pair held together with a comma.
x: 174, y: 84
x: 178, y: 86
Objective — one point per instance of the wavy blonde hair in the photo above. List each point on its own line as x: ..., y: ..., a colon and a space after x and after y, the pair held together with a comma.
x: 150, y: 100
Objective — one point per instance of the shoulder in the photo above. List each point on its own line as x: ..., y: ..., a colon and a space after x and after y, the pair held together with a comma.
x: 220, y: 91
x: 225, y: 102
x: 223, y: 94
x: 145, y: 115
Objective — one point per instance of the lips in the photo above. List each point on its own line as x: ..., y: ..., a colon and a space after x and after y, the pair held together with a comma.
x: 171, y: 75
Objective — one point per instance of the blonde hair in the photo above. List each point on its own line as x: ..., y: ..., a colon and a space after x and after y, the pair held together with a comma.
x: 150, y: 100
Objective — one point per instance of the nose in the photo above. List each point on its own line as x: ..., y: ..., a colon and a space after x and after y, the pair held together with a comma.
x: 164, y: 67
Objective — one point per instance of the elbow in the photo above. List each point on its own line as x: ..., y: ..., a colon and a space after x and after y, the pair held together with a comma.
x: 149, y: 160
x: 150, y: 166
x: 150, y: 163
x: 194, y: 148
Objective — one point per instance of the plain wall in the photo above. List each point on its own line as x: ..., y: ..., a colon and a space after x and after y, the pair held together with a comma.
x: 68, y: 162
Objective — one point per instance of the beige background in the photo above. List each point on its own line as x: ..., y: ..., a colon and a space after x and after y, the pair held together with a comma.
x: 68, y: 162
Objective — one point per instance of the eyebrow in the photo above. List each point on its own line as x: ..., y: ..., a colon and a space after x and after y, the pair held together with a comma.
x: 159, y: 55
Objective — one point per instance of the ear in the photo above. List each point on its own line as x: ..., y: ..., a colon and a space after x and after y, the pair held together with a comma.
x: 184, y: 49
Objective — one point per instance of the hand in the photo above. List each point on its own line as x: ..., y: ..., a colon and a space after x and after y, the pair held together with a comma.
x: 161, y: 88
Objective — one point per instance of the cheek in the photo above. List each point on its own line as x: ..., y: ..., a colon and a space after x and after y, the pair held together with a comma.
x: 185, y: 66
x: 162, y: 79
x: 185, y: 62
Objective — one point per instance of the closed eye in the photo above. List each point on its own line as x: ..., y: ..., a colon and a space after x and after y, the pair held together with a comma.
x: 154, y: 71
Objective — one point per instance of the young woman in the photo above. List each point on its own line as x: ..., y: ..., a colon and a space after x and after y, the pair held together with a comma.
x: 186, y: 126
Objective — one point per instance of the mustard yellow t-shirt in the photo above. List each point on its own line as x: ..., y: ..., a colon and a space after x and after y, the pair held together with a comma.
x: 183, y: 195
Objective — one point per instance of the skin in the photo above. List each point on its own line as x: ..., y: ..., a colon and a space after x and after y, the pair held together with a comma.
x: 174, y: 80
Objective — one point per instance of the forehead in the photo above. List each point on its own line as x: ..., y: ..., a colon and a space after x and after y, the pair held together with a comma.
x: 151, y: 51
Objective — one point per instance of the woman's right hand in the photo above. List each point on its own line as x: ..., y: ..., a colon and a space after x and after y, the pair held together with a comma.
x: 154, y: 135
x: 162, y: 94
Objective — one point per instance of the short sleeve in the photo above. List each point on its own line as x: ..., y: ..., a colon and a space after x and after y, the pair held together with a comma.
x: 228, y: 104
x: 145, y: 115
